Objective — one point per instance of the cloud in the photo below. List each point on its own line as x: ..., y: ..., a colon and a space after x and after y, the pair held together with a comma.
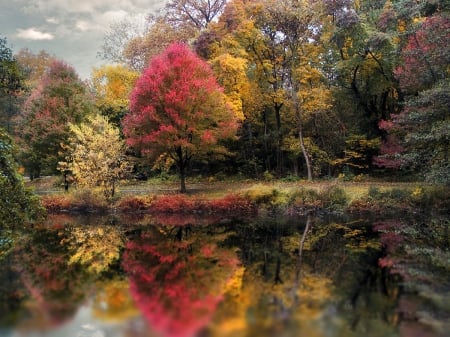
x: 34, y: 34
x: 52, y: 20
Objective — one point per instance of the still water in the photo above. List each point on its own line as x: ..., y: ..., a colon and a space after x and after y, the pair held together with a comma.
x: 189, y: 276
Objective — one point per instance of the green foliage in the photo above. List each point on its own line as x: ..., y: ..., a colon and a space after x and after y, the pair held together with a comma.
x: 18, y: 205
x: 334, y: 198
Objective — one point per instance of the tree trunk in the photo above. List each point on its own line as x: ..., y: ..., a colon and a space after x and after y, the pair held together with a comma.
x: 304, y: 151
x: 182, y: 180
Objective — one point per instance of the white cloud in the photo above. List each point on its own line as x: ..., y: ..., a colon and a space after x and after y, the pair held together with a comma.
x: 83, y: 25
x: 52, y: 20
x: 33, y: 34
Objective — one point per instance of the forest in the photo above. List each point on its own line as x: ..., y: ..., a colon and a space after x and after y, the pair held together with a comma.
x: 254, y: 88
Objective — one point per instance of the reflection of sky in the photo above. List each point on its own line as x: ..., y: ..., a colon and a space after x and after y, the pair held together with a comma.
x: 84, y: 324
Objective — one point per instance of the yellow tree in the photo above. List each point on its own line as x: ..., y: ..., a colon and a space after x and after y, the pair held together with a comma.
x: 112, y: 85
x: 96, y: 155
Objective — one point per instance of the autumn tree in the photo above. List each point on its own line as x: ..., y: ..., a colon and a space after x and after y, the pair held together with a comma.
x: 60, y: 97
x: 112, y: 85
x: 196, y: 13
x: 425, y: 117
x: 178, y: 110
x: 34, y: 65
x: 96, y: 155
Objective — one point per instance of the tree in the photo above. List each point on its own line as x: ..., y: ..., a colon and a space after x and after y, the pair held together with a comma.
x: 60, y: 98
x: 34, y: 65
x: 112, y: 85
x: 96, y: 155
x: 11, y: 83
x: 17, y: 204
x: 196, y: 13
x: 425, y: 117
x: 178, y: 110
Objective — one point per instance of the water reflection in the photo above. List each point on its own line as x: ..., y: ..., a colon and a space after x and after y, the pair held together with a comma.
x: 178, y: 276
x: 192, y: 276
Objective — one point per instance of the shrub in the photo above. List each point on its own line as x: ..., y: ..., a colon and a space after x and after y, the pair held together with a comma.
x: 232, y: 203
x: 89, y: 198
x: 178, y: 203
x: 305, y: 200
x: 134, y: 203
x: 57, y: 202
x: 334, y: 198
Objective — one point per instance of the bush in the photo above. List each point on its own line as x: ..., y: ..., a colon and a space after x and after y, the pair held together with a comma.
x: 134, y: 203
x: 334, y: 198
x: 178, y: 203
x: 305, y: 200
x: 57, y: 202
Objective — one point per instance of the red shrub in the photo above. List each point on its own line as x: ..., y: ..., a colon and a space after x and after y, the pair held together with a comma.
x: 56, y: 202
x: 177, y: 203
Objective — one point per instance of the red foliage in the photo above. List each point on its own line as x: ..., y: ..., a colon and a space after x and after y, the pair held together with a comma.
x: 178, y: 109
x: 173, y: 282
x: 389, y: 150
x: 178, y: 203
x: 56, y: 202
x: 232, y: 203
x: 426, y: 55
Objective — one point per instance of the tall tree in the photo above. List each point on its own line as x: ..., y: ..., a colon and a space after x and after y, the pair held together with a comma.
x: 61, y: 97
x: 178, y: 110
x: 196, y: 13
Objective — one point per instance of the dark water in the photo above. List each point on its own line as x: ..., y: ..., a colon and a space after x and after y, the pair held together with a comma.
x: 196, y: 276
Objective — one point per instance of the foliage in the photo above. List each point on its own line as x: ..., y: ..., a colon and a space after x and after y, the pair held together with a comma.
x: 60, y: 98
x: 97, y: 248
x: 418, y: 253
x: 18, y: 205
x: 178, y: 110
x: 11, y: 84
x: 96, y: 155
x: 112, y: 85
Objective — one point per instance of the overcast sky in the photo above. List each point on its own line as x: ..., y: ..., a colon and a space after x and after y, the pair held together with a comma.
x: 72, y: 30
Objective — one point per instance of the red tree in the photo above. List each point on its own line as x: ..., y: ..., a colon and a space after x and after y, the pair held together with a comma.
x: 178, y: 111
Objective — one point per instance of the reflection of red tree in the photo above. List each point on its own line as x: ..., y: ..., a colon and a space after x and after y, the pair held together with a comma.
x: 176, y: 285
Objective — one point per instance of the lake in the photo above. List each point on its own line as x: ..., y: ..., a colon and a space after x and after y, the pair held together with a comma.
x: 192, y: 275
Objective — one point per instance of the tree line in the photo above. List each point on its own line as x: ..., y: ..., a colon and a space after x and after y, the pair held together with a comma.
x: 306, y: 88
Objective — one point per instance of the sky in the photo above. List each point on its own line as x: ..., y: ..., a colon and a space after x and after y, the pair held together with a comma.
x: 71, y: 30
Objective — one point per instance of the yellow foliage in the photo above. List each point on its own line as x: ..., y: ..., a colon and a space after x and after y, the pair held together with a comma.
x: 231, y: 74
x: 95, y: 247
x: 114, y: 302
x: 113, y: 84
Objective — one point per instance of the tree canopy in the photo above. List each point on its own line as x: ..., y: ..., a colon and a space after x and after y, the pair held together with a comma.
x: 178, y: 110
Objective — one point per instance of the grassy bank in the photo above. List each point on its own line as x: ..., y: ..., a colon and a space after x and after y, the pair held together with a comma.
x: 248, y: 196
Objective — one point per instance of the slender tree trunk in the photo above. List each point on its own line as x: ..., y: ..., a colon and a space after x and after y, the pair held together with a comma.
x: 304, y: 151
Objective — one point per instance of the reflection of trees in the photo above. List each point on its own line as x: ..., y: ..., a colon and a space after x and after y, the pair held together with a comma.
x: 306, y: 279
x: 177, y: 279
x: 113, y: 302
x: 10, y: 294
x: 96, y: 247
x: 56, y: 288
